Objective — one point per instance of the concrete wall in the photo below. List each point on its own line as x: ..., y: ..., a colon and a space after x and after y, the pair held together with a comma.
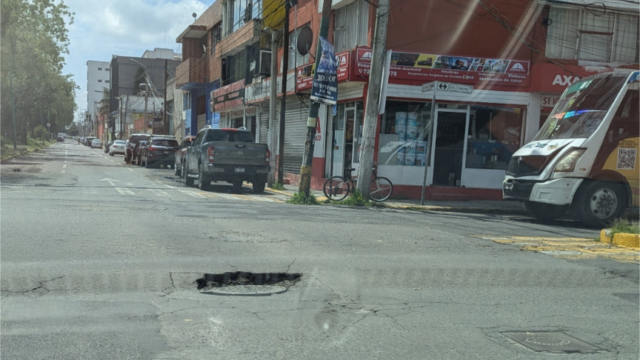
x: 97, y: 79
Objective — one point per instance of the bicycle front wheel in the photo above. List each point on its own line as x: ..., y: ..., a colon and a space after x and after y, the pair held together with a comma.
x: 380, y: 189
x: 336, y: 188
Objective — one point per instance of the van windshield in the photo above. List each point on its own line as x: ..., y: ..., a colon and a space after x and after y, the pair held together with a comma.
x: 581, y: 108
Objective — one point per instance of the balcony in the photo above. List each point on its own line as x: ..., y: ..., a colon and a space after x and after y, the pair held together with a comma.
x: 239, y: 39
x: 192, y: 73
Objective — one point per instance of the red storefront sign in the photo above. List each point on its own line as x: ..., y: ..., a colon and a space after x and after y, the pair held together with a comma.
x: 304, y: 74
x: 229, y: 96
x: 554, y: 79
x: 458, y: 69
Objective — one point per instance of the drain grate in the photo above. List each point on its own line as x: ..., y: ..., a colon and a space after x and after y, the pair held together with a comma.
x: 246, y: 283
x: 551, y: 342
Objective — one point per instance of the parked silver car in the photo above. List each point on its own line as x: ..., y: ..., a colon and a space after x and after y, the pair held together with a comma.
x: 117, y: 147
x: 96, y: 143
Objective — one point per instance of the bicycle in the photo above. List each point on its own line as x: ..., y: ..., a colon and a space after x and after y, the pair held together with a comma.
x: 337, y: 188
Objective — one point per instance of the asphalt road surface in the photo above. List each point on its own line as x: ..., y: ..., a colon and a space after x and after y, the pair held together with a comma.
x: 100, y: 261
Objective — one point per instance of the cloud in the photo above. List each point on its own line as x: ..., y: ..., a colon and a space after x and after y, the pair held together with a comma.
x: 123, y: 27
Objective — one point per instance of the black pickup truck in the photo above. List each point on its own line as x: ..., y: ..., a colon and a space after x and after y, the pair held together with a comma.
x: 228, y: 155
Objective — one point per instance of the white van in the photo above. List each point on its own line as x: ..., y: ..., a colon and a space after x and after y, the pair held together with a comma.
x: 585, y: 156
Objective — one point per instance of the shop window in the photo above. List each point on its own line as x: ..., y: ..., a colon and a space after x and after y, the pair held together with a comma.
x: 403, y: 134
x: 494, y: 135
x: 583, y: 35
x: 216, y: 34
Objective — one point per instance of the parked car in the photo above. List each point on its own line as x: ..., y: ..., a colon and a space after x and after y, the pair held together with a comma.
x: 159, y: 151
x: 96, y: 143
x: 81, y: 140
x: 60, y: 139
x: 137, y: 150
x: 106, y: 146
x: 180, y: 153
x: 130, y: 144
x: 227, y: 155
x: 117, y: 147
x: 88, y: 140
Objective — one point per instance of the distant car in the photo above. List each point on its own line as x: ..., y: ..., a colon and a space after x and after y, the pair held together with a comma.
x: 180, y: 153
x: 159, y: 151
x: 88, y: 140
x: 96, y: 143
x: 117, y: 147
x: 81, y: 140
x: 136, y: 151
x: 130, y: 145
x: 106, y: 146
x: 60, y: 139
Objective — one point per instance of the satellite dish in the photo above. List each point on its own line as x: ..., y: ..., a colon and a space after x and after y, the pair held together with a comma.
x: 194, y: 15
x: 305, y: 37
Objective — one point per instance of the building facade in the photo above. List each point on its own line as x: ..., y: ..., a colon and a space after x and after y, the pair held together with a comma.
x: 98, y: 79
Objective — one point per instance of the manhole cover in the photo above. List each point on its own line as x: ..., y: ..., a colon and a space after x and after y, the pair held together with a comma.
x: 551, y: 342
x: 246, y: 283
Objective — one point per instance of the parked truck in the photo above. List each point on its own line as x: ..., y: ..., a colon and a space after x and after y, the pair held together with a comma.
x: 228, y: 155
x: 585, y: 156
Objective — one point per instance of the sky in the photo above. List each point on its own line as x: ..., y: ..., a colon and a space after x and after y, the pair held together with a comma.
x: 123, y: 27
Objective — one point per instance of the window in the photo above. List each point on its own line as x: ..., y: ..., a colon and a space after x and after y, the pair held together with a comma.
x: 215, y: 37
x: 99, y: 68
x: 494, y: 135
x: 99, y: 80
x: 295, y: 59
x: 106, y: 81
x: 186, y: 101
x: 351, y: 26
x: 241, y: 12
x: 107, y: 69
x: 403, y: 132
x: 581, y: 35
x: 235, y: 69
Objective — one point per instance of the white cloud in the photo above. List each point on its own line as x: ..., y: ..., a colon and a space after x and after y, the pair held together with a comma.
x: 123, y: 27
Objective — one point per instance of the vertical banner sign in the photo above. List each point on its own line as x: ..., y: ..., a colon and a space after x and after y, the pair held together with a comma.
x: 325, y: 80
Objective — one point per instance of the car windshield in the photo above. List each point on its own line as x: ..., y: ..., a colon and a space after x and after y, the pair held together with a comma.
x: 357, y: 187
x: 581, y: 108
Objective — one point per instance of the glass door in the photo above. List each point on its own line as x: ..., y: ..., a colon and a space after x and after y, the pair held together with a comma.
x: 338, y: 142
x: 449, y: 150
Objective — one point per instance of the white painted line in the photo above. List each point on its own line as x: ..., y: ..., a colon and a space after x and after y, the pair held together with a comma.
x: 170, y: 187
x: 65, y: 161
x: 63, y: 171
x: 129, y: 169
x: 110, y: 160
x: 227, y: 196
x: 261, y: 198
x: 64, y: 166
x: 191, y: 193
x: 124, y: 191
x: 159, y: 192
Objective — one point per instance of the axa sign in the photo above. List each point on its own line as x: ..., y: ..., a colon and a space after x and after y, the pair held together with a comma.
x: 565, y: 80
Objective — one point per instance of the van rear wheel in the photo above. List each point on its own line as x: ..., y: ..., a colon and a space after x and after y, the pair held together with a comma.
x: 544, y: 212
x: 598, y: 203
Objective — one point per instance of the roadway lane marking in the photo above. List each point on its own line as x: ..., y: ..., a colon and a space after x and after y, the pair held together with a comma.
x: 191, y: 193
x: 63, y: 171
x: 159, y: 192
x: 124, y: 191
x: 129, y: 169
x: 227, y: 196
x: 64, y: 166
x: 170, y: 187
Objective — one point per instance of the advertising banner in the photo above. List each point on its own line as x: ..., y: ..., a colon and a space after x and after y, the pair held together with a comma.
x: 458, y: 69
x: 325, y: 79
x: 228, y: 96
x: 305, y: 73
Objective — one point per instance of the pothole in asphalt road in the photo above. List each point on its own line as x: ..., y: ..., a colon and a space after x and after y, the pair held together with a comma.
x: 551, y: 342
x: 246, y: 283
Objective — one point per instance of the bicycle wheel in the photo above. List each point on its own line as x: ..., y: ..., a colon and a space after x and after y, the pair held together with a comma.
x: 336, y: 188
x: 380, y: 189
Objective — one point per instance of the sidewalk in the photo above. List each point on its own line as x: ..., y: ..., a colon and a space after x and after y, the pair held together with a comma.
x: 471, y: 206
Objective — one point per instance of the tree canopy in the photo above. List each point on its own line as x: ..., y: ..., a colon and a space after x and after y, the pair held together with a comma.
x: 34, y: 38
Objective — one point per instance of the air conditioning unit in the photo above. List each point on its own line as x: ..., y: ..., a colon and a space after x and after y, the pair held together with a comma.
x: 264, y: 67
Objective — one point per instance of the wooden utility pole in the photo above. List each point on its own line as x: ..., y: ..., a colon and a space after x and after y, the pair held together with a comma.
x: 272, y: 106
x: 309, y: 144
x: 164, y: 116
x: 373, y: 99
x: 283, y: 102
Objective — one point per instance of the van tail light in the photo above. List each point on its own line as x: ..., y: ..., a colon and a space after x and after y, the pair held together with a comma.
x: 211, y: 154
x: 267, y: 157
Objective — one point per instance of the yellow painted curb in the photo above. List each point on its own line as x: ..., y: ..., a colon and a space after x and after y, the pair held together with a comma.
x: 620, y: 239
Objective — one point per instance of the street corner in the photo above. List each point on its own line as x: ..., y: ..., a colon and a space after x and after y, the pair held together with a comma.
x: 620, y: 239
x: 570, y: 248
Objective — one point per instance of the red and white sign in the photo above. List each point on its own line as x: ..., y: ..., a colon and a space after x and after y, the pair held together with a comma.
x: 456, y: 69
x: 552, y: 78
x: 304, y: 74
x: 549, y: 100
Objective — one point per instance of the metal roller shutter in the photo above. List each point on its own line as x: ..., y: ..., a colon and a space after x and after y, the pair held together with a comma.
x: 295, y: 133
x: 264, y: 123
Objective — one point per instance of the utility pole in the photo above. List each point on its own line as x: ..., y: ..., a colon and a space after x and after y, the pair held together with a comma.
x: 146, y: 98
x: 42, y: 127
x: 13, y: 111
x: 164, y: 116
x: 124, y: 121
x: 272, y: 106
x: 309, y: 144
x: 283, y: 102
x: 373, y: 98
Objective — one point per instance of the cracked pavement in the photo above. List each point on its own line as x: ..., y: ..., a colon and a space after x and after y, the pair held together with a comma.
x: 91, y: 273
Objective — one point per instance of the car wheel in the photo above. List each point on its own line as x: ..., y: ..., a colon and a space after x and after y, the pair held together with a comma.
x: 258, y: 185
x: 237, y: 186
x: 544, y: 212
x: 598, y: 203
x: 176, y: 170
x: 203, y: 182
x: 188, y: 181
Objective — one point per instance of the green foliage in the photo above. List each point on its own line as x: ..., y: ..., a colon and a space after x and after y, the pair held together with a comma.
x: 355, y: 199
x: 299, y: 199
x: 625, y: 226
x: 277, y: 186
x: 34, y: 39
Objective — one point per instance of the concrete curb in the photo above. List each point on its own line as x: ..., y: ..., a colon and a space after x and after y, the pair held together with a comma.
x: 620, y: 239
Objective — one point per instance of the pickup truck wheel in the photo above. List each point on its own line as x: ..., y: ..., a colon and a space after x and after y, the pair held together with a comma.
x: 203, y: 182
x: 258, y: 185
x: 237, y: 186
x: 598, y: 203
x: 188, y: 181
x: 544, y: 212
x: 176, y: 170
